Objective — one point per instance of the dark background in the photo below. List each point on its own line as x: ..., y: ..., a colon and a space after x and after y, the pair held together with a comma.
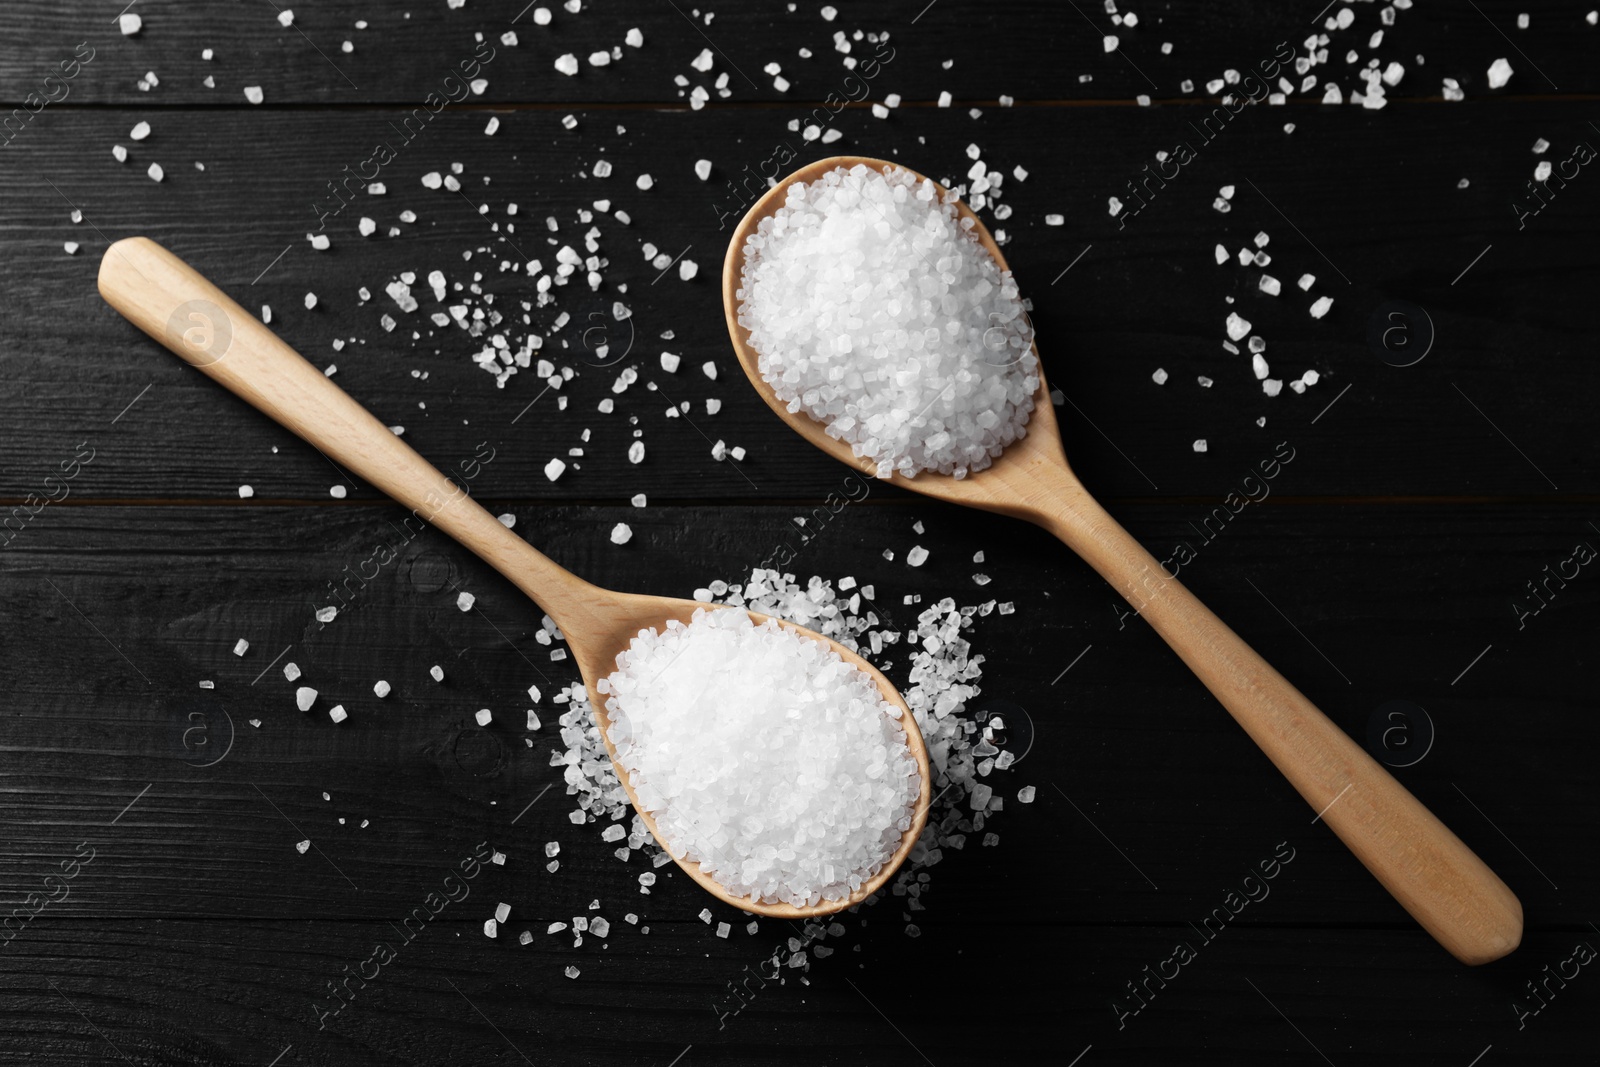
x: 1387, y: 563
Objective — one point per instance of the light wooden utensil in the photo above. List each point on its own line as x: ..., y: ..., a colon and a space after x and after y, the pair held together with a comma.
x: 1435, y: 877
x: 176, y: 305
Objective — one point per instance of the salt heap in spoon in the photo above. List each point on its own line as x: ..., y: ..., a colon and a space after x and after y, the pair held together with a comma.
x: 762, y: 755
x: 874, y: 308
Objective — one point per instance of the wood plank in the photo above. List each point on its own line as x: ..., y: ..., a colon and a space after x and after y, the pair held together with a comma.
x: 1150, y: 801
x: 1491, y: 411
x: 1028, y: 49
x: 210, y: 993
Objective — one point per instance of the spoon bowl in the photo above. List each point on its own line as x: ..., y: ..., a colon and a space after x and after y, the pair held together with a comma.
x: 176, y: 305
x: 1437, y: 878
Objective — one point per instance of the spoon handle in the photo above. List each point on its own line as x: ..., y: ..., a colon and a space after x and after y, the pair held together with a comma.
x: 178, y: 306
x: 1434, y: 876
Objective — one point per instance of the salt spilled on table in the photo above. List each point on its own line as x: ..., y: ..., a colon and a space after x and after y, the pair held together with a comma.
x: 875, y: 310
x: 763, y: 756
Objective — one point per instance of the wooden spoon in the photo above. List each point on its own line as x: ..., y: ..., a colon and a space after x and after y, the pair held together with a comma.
x: 170, y: 301
x: 1445, y: 887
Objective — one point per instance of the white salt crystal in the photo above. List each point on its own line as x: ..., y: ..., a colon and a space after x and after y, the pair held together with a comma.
x: 129, y: 23
x: 571, y: 971
x: 638, y: 500
x: 636, y: 452
x: 253, y: 94
x: 553, y: 469
x: 785, y: 834
x: 709, y: 369
x: 917, y: 556
x: 723, y: 929
x: 484, y: 716
x: 301, y: 846
x: 465, y: 600
x: 634, y: 38
x: 1025, y: 795
x: 140, y: 131
x: 1499, y: 73
x: 1307, y: 281
x: 702, y: 169
x: 155, y: 172
x: 1200, y: 444
x: 291, y: 670
x: 304, y: 697
x: 437, y: 672
x: 621, y: 534
x: 246, y: 492
x: 491, y: 928
x: 337, y: 713
x: 1238, y: 327
x: 1059, y: 220
x: 1541, y: 172
x: 1320, y: 307
x: 381, y: 688
x: 644, y: 181
x: 241, y: 647
x: 1270, y: 285
x: 567, y: 64
x: 1109, y: 43
x: 848, y: 236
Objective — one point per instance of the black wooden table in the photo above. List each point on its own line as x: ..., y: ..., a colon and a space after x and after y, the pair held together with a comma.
x: 1428, y: 543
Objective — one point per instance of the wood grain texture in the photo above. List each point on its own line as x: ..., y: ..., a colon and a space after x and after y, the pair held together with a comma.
x: 1143, y: 297
x: 1028, y: 49
x: 1410, y: 544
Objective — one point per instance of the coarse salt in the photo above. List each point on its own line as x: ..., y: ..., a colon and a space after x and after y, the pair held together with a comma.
x: 878, y: 313
x: 763, y: 756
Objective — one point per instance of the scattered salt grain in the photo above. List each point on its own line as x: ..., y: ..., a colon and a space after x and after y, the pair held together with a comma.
x: 246, y: 492
x: 155, y: 172
x: 1025, y: 795
x: 553, y: 469
x: 465, y: 600
x: 337, y: 713
x: 253, y: 94
x: 437, y: 672
x: 291, y: 670
x: 1321, y: 306
x: 621, y: 534
x: 1200, y: 445
x: 484, y: 716
x: 1499, y: 73
x: 304, y: 697
x: 241, y: 647
x: 381, y: 688
x: 1307, y: 281
x: 567, y: 64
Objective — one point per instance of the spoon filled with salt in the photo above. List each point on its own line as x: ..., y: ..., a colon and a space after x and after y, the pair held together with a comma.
x: 875, y: 314
x: 782, y: 771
